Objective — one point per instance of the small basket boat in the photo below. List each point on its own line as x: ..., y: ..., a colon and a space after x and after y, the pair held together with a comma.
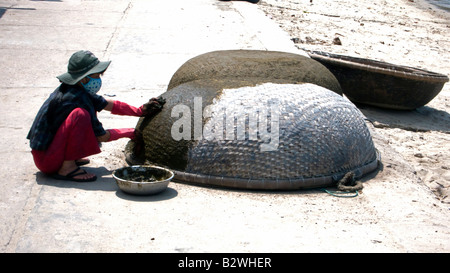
x: 382, y: 84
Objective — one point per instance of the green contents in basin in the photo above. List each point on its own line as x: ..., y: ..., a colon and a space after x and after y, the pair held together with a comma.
x: 142, y: 174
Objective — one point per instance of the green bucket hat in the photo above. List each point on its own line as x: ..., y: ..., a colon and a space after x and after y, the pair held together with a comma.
x: 82, y: 64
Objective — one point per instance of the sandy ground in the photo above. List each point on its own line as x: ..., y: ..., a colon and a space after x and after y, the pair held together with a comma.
x: 403, y: 32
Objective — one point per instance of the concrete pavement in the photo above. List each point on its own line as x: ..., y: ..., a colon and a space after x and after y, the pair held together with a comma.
x: 147, y: 41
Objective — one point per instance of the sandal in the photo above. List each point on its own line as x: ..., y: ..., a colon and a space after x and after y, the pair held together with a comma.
x: 82, y: 161
x: 71, y: 176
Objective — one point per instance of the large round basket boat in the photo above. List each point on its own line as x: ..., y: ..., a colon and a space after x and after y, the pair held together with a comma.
x: 380, y: 83
x: 267, y: 136
x: 260, y: 120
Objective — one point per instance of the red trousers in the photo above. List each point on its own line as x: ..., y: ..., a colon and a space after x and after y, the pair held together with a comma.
x: 74, y: 140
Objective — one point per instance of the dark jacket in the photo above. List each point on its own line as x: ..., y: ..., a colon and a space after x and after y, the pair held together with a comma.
x: 57, y: 108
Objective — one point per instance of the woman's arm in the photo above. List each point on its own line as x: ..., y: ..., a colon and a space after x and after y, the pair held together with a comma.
x: 110, y: 105
x: 115, y: 134
x: 105, y: 137
x: 150, y: 108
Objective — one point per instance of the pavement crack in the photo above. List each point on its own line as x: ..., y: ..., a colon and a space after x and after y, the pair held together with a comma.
x: 116, y: 30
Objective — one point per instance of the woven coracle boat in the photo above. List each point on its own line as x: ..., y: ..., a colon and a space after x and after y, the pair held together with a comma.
x: 382, y: 84
x: 256, y: 65
x: 269, y: 136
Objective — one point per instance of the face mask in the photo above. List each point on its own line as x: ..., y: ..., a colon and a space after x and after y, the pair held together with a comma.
x: 93, y: 85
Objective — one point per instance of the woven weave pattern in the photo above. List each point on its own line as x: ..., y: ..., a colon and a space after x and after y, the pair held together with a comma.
x: 313, y: 136
x: 320, y: 134
x: 247, y: 119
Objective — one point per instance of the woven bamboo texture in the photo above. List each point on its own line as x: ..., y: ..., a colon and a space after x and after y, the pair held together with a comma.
x: 321, y: 136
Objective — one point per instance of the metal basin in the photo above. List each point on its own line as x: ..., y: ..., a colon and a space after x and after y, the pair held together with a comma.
x: 142, y: 180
